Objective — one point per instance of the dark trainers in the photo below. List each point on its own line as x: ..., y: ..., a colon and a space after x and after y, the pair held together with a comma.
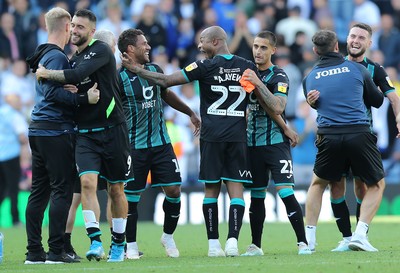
x: 72, y: 254
x: 61, y: 258
x: 35, y: 258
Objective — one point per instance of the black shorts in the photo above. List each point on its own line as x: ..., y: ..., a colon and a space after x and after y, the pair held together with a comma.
x: 336, y: 153
x: 275, y: 159
x: 161, y: 162
x: 226, y: 161
x: 106, y: 153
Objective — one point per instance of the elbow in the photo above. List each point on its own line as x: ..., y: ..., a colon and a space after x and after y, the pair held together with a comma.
x: 166, y: 82
x: 163, y: 84
x: 279, y: 111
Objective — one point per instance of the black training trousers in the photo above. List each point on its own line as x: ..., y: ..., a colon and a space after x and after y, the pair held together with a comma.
x: 53, y: 175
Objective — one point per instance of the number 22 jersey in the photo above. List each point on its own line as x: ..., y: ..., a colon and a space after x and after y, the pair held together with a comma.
x: 223, y: 101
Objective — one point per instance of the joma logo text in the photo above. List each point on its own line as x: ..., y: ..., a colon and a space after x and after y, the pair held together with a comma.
x: 333, y: 71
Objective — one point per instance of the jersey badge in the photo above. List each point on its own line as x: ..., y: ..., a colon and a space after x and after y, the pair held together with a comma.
x: 389, y: 81
x: 282, y: 87
x: 191, y: 67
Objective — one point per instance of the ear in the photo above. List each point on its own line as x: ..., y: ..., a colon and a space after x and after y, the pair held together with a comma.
x: 215, y: 42
x: 130, y: 48
x: 337, y: 47
x: 273, y: 50
x: 315, y: 50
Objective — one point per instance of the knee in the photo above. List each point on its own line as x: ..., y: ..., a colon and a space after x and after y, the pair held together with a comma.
x: 360, y: 191
x: 173, y: 191
x: 88, y: 185
x: 336, y: 191
x: 116, y: 190
x: 380, y: 186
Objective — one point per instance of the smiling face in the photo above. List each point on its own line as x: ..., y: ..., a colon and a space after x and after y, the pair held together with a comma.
x: 142, y: 50
x: 358, y: 41
x: 207, y: 43
x: 82, y: 31
x: 205, y: 46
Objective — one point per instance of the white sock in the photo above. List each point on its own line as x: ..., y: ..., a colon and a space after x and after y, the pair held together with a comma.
x: 214, y: 243
x: 347, y: 238
x: 311, y: 236
x: 132, y: 245
x: 90, y: 219
x: 361, y: 229
x: 119, y: 225
x: 167, y: 236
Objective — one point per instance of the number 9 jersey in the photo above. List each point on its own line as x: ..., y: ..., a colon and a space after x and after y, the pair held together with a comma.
x: 223, y: 101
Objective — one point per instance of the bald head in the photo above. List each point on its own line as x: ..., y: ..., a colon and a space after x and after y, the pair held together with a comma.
x: 214, y: 32
x: 106, y: 36
x: 213, y: 42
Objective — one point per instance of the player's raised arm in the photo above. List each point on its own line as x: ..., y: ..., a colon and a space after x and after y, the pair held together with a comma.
x: 160, y: 79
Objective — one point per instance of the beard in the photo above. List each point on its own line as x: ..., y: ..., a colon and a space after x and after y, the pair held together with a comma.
x: 355, y: 55
x: 80, y: 40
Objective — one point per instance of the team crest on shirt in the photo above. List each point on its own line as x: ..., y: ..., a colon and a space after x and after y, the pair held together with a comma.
x: 191, y: 67
x: 389, y: 81
x: 282, y: 87
x: 89, y: 56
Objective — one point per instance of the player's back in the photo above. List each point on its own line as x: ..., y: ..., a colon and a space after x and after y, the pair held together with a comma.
x: 223, y: 101
x: 338, y: 104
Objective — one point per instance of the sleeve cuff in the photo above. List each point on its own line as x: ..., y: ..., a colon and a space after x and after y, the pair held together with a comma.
x: 83, y: 98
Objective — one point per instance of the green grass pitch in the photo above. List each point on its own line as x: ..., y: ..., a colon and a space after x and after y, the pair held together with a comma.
x: 279, y: 245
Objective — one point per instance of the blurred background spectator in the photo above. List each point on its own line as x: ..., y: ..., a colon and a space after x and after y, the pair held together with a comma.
x: 13, y: 135
x: 367, y: 12
x: 288, y: 27
x: 389, y: 41
x: 342, y: 12
x: 242, y: 41
x: 305, y: 151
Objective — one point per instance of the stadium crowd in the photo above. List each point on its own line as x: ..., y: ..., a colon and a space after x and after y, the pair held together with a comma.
x: 172, y: 28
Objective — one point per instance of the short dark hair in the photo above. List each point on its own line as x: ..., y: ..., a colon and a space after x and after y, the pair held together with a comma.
x: 363, y: 26
x: 86, y: 14
x: 268, y: 35
x: 324, y: 41
x: 128, y: 37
